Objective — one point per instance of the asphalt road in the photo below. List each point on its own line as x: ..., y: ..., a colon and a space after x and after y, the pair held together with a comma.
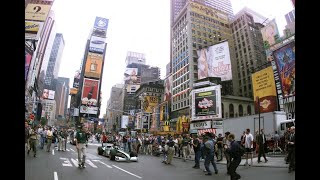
x: 58, y: 165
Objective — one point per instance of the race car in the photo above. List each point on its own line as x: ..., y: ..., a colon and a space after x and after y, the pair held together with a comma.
x: 115, y: 153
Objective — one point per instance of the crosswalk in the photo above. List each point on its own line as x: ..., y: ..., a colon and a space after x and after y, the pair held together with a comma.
x: 66, y: 162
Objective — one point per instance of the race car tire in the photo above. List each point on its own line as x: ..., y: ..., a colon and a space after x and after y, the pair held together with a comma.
x: 112, y: 157
x: 133, y: 154
x: 100, y: 150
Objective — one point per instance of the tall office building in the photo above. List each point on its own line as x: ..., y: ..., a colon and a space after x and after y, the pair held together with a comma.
x: 115, y: 107
x: 290, y: 27
x: 249, y: 49
x: 196, y: 26
x: 54, y: 61
x: 61, y: 95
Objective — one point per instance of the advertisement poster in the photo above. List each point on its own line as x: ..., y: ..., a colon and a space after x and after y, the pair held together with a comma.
x: 97, y: 44
x: 183, y: 124
x: 27, y: 62
x: 167, y: 91
x: 99, y: 33
x: 101, y: 23
x: 37, y: 12
x: 268, y: 33
x: 90, y: 92
x: 33, y: 27
x: 214, y: 61
x: 149, y: 102
x: 124, y: 121
x: 132, y: 88
x: 93, y: 65
x: 88, y: 110
x: 264, y: 88
x: 76, y: 79
x: 206, y: 103
x: 48, y: 94
x: 131, y: 76
x: 285, y: 61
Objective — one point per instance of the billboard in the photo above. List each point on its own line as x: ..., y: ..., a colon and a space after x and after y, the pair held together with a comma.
x: 76, y: 79
x: 124, y: 121
x: 48, y: 94
x: 214, y: 61
x: 206, y: 103
x: 131, y: 76
x: 88, y: 110
x: 132, y: 88
x: 37, y: 12
x: 285, y: 61
x: 207, y: 11
x: 149, y: 102
x: 168, y: 88
x: 27, y: 61
x: 93, y: 65
x: 264, y: 88
x: 99, y: 33
x: 97, y: 44
x: 101, y: 23
x: 90, y: 90
x: 73, y: 91
x: 33, y: 26
x: 268, y: 34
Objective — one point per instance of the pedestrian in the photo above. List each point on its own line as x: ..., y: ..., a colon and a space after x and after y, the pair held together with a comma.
x: 26, y: 136
x: 292, y: 149
x: 184, y: 144
x: 276, y: 140
x: 248, y: 144
x: 261, y: 140
x: 49, y: 138
x: 33, y: 141
x: 197, y: 152
x: 170, y: 150
x: 40, y: 134
x: 81, y: 139
x: 219, y: 147
x: 235, y: 157
x: 226, y: 146
x: 209, y: 152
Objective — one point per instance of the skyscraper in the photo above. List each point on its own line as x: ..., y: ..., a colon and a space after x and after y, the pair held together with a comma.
x: 196, y: 26
x: 249, y: 49
x: 61, y: 95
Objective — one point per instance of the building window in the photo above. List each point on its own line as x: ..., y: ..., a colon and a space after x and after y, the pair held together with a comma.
x: 249, y: 110
x: 231, y: 110
x: 240, y: 110
x: 222, y: 109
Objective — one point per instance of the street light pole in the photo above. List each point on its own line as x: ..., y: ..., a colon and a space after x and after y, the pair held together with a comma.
x: 259, y: 112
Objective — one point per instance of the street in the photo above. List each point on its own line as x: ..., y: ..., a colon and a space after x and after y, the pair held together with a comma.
x: 59, y: 165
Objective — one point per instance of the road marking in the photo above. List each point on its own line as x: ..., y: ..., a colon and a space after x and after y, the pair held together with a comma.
x: 67, y: 149
x: 75, y: 162
x: 66, y: 162
x: 127, y: 172
x: 55, y: 176
x: 72, y: 150
x: 102, y: 163
x: 91, y: 164
x: 52, y: 151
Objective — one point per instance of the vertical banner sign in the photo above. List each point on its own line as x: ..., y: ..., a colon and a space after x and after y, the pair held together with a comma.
x: 93, y: 65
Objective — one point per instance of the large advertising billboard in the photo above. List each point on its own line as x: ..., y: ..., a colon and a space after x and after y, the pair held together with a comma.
x: 33, y: 27
x: 168, y: 88
x: 27, y: 62
x: 207, y: 11
x: 99, y: 33
x: 206, y: 103
x: 269, y: 32
x: 149, y: 102
x: 97, y: 44
x: 285, y: 61
x: 101, y: 23
x: 214, y: 61
x: 264, y: 88
x: 131, y: 76
x: 88, y: 110
x: 93, y: 65
x: 48, y: 94
x: 90, y: 91
x: 76, y: 79
x: 37, y: 12
x: 132, y: 88
x: 124, y: 121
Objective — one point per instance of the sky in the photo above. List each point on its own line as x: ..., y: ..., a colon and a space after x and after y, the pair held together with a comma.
x: 134, y: 25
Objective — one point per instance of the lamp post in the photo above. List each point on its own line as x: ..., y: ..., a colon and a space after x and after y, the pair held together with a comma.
x: 258, y: 101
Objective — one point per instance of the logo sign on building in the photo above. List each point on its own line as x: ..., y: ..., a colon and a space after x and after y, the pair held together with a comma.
x: 200, y: 125
x: 97, y: 44
x: 101, y: 23
x: 99, y: 33
x: 33, y: 27
x: 90, y: 92
x: 206, y: 103
x: 285, y: 61
x: 37, y: 12
x: 88, y: 110
x: 214, y: 61
x: 264, y: 88
x: 206, y: 11
x: 217, y: 124
x: 132, y: 88
x: 149, y: 102
x: 93, y: 65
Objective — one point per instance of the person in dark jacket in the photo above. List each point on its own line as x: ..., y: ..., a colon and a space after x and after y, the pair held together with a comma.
x: 235, y: 157
x: 292, y: 149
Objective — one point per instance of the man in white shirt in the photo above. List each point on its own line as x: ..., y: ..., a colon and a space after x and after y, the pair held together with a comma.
x: 248, y: 144
x: 49, y: 138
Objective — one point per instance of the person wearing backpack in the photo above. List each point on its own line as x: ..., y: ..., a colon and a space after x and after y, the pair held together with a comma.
x: 235, y: 155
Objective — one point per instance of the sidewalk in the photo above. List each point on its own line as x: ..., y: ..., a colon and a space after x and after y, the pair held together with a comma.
x: 273, y: 161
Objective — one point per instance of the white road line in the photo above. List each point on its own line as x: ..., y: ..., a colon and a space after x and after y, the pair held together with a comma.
x: 55, y: 176
x: 127, y: 172
x: 72, y: 150
x: 91, y: 164
x: 75, y: 162
x: 66, y: 162
x: 52, y: 151
x: 67, y: 149
x: 102, y: 163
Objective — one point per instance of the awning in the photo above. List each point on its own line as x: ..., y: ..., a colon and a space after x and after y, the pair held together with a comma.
x: 203, y: 131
